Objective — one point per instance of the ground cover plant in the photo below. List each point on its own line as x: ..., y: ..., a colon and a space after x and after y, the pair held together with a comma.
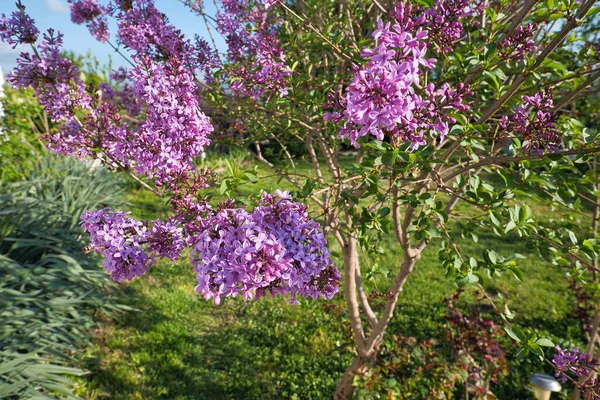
x: 52, y: 295
x: 466, y: 119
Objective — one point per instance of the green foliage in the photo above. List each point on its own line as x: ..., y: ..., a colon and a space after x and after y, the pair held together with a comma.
x: 23, y: 124
x: 50, y: 292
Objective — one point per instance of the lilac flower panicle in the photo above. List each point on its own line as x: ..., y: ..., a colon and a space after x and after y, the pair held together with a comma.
x: 19, y: 28
x: 518, y: 43
x: 258, y: 64
x: 175, y: 130
x: 58, y: 88
x: 581, y: 366
x: 443, y: 21
x: 382, y: 100
x: 131, y: 247
x: 276, y: 249
x: 145, y: 30
x: 90, y: 13
x: 206, y: 58
x: 119, y: 239
x: 534, y: 122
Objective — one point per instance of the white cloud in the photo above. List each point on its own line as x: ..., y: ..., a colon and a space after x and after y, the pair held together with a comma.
x: 58, y: 6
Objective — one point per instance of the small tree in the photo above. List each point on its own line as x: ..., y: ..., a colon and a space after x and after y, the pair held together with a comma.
x: 449, y: 102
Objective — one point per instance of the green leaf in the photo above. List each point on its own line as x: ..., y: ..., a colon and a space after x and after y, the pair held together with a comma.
x: 536, y: 349
x: 545, y: 342
x: 383, y: 212
x: 251, y: 177
x: 510, y: 226
x: 388, y: 159
x: 572, y: 237
x: 224, y: 187
x: 515, y: 333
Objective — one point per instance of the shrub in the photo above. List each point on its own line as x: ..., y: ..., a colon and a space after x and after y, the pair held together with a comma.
x: 51, y: 293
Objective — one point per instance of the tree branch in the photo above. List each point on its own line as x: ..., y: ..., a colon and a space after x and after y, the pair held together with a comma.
x: 571, y: 24
x: 508, y: 159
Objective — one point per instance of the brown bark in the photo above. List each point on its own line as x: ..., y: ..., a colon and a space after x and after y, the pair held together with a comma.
x: 345, y: 388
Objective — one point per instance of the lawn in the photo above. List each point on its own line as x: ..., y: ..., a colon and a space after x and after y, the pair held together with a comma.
x: 179, y: 346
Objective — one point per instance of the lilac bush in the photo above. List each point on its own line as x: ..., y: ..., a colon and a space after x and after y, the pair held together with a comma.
x: 440, y: 99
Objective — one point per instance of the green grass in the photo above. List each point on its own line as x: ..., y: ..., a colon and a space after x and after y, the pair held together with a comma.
x: 179, y: 346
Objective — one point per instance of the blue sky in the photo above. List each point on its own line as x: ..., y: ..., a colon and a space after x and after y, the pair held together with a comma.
x: 55, y: 14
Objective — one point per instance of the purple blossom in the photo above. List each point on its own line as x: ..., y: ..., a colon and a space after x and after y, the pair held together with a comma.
x: 175, y: 130
x: 443, y: 22
x: 258, y: 64
x: 573, y: 361
x: 518, y: 43
x: 54, y: 78
x: 131, y: 247
x: 119, y: 239
x: 276, y: 249
x: 206, y: 58
x: 382, y: 98
x: 161, y: 146
x: 19, y: 28
x: 145, y: 30
x: 534, y: 122
x: 58, y: 88
x: 90, y: 13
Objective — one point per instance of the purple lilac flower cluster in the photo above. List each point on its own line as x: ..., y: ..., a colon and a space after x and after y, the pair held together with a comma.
x: 382, y: 98
x: 55, y: 78
x: 276, y: 249
x: 573, y: 361
x: 443, y: 21
x: 90, y: 13
x: 122, y: 241
x: 517, y: 43
x: 534, y: 121
x: 145, y: 30
x: 18, y: 28
x: 57, y: 85
x: 119, y: 239
x: 175, y: 130
x: 258, y: 64
x: 582, y: 366
x: 206, y: 58
x: 161, y: 146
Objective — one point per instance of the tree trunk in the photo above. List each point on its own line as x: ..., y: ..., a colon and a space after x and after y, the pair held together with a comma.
x: 345, y: 388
